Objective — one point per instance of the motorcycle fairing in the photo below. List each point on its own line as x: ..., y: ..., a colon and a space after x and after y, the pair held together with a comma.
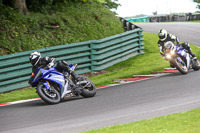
x: 183, y: 53
x: 179, y: 59
x: 52, y: 75
x: 59, y: 79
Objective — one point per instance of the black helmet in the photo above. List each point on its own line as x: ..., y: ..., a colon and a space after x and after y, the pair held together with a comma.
x: 162, y: 34
x: 34, y: 58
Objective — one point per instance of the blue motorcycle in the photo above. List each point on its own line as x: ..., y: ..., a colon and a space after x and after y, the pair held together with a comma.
x: 52, y: 85
x: 180, y: 58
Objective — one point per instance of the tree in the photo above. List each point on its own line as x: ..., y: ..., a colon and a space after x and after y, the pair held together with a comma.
x: 109, y: 3
x: 17, y: 4
x: 197, y: 1
x: 24, y: 6
x: 112, y: 4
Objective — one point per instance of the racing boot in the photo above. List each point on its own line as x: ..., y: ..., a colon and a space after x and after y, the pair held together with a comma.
x: 76, y: 91
x: 187, y: 47
x: 192, y: 54
x: 74, y: 88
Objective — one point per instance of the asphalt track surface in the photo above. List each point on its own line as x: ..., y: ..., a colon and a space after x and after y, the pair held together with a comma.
x: 185, y: 31
x: 113, y: 105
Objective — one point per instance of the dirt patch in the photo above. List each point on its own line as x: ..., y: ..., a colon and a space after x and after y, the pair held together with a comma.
x: 90, y: 74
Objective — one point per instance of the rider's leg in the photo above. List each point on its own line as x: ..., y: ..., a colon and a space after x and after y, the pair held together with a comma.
x: 63, y: 65
x: 76, y: 90
x: 187, y: 47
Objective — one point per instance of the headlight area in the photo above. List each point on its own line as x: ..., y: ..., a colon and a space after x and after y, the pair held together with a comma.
x: 168, y: 56
x: 172, y: 52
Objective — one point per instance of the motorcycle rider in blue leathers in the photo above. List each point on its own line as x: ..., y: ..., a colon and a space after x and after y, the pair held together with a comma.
x: 46, y: 62
x: 164, y: 37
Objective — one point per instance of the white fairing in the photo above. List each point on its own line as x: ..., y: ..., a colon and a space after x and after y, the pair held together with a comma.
x: 183, y: 53
x: 66, y: 89
x: 188, y: 60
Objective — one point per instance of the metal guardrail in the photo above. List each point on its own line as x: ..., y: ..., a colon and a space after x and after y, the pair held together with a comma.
x: 128, y: 25
x: 167, y: 18
x: 140, y: 19
x: 95, y: 55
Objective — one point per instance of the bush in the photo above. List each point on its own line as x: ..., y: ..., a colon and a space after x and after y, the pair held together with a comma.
x: 66, y: 23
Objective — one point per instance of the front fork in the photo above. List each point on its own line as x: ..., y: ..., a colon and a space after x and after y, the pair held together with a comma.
x: 47, y: 85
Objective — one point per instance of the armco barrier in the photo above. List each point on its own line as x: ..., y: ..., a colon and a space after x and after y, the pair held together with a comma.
x: 141, y: 19
x: 167, y: 18
x: 128, y: 25
x: 91, y: 56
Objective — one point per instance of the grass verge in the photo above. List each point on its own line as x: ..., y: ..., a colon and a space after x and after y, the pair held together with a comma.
x: 141, y: 64
x: 187, y: 122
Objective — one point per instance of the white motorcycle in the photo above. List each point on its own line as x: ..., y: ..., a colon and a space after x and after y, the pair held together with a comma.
x: 180, y: 58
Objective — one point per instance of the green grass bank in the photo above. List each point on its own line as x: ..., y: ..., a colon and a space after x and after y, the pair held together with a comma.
x: 65, y: 23
x: 187, y: 122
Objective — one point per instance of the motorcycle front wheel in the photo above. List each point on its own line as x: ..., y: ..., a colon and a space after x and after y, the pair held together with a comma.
x: 181, y: 66
x: 50, y: 96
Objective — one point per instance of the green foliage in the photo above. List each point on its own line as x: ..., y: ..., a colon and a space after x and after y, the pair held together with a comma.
x: 39, y: 5
x: 66, y: 23
x: 46, y: 6
x: 197, y: 1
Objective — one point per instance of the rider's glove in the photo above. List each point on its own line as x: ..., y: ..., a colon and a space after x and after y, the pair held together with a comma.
x: 50, y: 65
x: 162, y: 53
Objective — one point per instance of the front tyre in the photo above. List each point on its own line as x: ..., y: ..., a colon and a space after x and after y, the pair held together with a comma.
x: 50, y: 96
x: 89, y: 89
x: 180, y: 65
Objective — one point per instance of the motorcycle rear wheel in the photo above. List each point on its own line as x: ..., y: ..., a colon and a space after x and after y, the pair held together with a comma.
x: 196, y: 65
x: 50, y: 97
x: 90, y: 90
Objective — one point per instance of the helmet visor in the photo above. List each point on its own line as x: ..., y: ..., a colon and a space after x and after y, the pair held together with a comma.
x: 162, y: 38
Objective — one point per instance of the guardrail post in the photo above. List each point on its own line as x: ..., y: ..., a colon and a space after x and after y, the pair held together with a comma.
x: 92, y: 55
x: 140, y: 41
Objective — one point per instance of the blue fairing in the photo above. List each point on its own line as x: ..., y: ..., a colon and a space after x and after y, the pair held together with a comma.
x: 46, y: 85
x: 179, y: 59
x: 58, y: 78
x: 181, y: 51
x: 49, y: 75
x: 72, y: 66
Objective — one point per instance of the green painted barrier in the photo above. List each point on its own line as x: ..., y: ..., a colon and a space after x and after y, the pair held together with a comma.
x: 91, y: 56
x: 141, y: 19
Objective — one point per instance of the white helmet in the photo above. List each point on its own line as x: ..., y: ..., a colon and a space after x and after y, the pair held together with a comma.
x: 34, y: 58
x: 162, y: 34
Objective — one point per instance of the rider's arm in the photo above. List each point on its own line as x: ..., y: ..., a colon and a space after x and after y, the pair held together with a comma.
x: 33, y: 69
x: 161, y: 48
x: 174, y: 38
x: 50, y: 61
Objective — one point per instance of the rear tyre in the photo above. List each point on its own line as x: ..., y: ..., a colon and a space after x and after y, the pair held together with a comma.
x: 49, y: 96
x: 196, y: 65
x: 181, y: 66
x: 89, y: 90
